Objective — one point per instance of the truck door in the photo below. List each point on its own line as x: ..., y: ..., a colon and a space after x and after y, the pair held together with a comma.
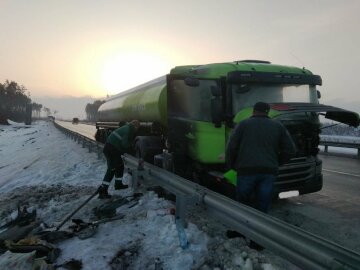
x: 196, y: 131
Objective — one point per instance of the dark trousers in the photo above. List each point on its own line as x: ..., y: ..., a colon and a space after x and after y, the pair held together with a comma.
x: 255, y: 190
x: 115, y: 165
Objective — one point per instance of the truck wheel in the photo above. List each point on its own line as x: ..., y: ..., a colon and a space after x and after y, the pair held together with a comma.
x: 147, y: 147
x: 100, y: 135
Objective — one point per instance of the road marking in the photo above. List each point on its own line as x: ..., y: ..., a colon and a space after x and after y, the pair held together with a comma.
x: 356, y: 175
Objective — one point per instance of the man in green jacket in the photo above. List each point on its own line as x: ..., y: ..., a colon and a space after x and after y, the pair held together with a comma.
x: 117, y: 143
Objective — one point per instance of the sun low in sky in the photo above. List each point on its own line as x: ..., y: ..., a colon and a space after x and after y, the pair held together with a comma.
x: 90, y: 48
x: 127, y: 69
x: 109, y: 67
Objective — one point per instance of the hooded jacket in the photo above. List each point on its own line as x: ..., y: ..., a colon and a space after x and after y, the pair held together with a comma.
x: 122, y: 137
x: 257, y: 145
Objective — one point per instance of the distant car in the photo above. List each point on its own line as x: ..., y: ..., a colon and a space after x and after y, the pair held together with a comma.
x: 75, y: 120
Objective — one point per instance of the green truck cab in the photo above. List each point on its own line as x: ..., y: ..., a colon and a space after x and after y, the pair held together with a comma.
x: 188, y: 115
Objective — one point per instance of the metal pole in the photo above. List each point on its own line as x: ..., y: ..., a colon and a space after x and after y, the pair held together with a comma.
x: 76, y: 210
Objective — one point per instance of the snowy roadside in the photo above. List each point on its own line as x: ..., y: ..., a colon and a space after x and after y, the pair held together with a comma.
x: 42, y: 168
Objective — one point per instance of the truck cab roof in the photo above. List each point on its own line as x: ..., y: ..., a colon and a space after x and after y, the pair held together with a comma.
x: 217, y: 70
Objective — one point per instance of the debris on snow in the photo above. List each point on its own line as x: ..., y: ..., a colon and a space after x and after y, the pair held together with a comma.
x: 138, y: 231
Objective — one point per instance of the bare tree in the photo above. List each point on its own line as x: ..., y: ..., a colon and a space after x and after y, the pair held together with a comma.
x: 92, y: 110
x: 13, y: 101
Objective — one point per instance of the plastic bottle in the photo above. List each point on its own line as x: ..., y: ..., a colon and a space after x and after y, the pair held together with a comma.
x: 184, y: 244
x: 127, y: 179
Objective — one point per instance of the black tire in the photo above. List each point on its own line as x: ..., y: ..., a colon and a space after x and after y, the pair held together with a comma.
x: 144, y: 148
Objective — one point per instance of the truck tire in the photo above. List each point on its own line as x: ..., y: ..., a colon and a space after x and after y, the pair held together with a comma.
x: 100, y: 135
x: 146, y: 147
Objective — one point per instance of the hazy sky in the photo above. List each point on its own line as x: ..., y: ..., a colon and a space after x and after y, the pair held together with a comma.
x: 87, y: 47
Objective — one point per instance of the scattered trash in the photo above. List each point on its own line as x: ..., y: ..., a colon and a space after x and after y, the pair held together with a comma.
x: 76, y: 210
x: 23, y: 217
x: 184, y: 244
x: 125, y: 258
x: 71, y: 265
x: 83, y: 230
x: 127, y: 179
x: 108, y: 209
x: 23, y: 261
x: 16, y: 233
x: 54, y: 236
x: 42, y: 248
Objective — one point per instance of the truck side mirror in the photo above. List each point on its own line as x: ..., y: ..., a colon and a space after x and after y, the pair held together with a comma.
x: 318, y: 94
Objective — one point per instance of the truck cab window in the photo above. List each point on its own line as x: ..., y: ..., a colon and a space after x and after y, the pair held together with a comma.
x: 191, y: 102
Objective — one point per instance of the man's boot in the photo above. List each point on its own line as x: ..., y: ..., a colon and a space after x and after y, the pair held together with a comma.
x: 103, y: 192
x: 119, y: 184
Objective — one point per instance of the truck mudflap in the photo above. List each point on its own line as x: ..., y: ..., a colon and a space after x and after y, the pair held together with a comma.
x: 333, y: 113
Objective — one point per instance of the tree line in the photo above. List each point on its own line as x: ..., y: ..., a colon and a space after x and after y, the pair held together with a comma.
x: 14, y: 99
x: 15, y: 103
x: 91, y: 110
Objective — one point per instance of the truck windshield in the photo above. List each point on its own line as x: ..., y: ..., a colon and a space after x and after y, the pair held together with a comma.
x: 246, y: 95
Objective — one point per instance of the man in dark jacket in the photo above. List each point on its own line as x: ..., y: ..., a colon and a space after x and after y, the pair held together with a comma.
x: 254, y: 150
x: 117, y: 143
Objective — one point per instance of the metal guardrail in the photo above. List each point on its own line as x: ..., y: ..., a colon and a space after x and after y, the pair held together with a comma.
x: 296, y: 245
x: 327, y: 140
x: 92, y: 145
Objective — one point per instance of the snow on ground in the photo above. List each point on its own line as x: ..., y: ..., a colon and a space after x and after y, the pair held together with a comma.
x: 41, y: 167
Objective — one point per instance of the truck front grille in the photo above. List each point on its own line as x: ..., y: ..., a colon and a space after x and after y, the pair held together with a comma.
x: 295, y: 173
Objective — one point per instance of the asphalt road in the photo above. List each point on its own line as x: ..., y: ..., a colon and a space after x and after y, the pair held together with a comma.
x: 342, y: 178
x: 341, y: 185
x: 332, y: 213
x: 86, y: 130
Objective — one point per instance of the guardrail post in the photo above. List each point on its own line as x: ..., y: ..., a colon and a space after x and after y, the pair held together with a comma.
x: 181, y: 207
x: 180, y: 214
x: 99, y: 152
x: 139, y: 173
x: 358, y: 155
x: 90, y: 147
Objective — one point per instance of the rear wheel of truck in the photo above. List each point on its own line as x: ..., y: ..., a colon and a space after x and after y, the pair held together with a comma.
x: 147, y: 147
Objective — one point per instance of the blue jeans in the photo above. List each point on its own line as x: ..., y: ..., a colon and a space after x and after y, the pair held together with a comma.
x: 259, y: 186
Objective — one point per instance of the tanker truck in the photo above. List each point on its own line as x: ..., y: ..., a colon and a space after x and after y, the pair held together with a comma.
x: 187, y: 116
